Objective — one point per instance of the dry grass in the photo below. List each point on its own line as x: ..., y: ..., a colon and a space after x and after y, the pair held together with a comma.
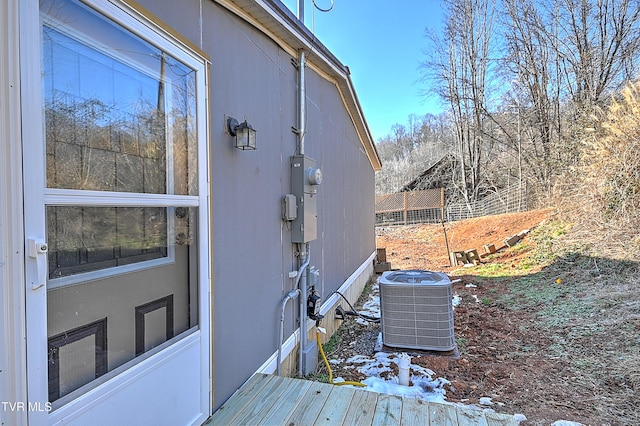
x: 602, y: 196
x: 630, y: 370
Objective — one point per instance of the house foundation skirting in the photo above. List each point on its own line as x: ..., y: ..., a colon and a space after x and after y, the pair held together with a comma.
x: 351, y: 289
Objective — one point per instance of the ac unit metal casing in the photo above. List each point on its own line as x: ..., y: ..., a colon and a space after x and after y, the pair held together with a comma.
x: 416, y: 310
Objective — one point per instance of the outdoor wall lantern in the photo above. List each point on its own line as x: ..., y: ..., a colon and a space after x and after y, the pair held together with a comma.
x: 245, y: 134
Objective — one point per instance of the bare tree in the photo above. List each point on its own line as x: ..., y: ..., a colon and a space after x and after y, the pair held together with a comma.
x: 531, y: 63
x: 599, y: 44
x: 563, y: 60
x: 460, y: 65
x: 411, y: 149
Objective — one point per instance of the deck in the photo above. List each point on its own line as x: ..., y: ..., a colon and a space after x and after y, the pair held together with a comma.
x: 272, y: 400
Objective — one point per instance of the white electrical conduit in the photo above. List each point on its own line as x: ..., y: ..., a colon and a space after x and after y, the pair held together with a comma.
x: 290, y: 296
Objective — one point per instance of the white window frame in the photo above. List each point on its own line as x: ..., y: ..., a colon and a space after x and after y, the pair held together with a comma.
x: 13, y: 380
x: 93, y: 402
x: 82, y: 198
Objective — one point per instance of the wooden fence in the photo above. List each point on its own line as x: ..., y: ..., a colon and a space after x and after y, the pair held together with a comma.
x: 403, y: 208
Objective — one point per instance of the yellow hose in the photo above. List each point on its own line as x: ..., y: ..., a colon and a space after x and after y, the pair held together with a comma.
x: 324, y: 357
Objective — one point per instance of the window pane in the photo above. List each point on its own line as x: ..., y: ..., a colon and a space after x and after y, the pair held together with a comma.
x: 85, y: 239
x: 120, y: 113
x: 107, y: 321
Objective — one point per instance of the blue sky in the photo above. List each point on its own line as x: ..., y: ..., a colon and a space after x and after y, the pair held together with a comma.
x: 382, y: 43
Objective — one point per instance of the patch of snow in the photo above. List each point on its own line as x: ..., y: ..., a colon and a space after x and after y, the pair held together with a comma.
x: 380, y: 363
x: 421, y: 370
x: 475, y: 298
x: 371, y: 307
x: 417, y: 391
x: 455, y: 301
x: 358, y: 359
x: 336, y: 361
x: 485, y: 401
x: 520, y: 417
x: 566, y: 423
x: 424, y: 386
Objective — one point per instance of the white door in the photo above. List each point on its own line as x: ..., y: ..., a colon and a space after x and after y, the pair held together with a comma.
x: 116, y: 218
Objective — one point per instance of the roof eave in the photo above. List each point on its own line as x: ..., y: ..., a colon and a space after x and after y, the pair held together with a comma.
x: 280, y: 24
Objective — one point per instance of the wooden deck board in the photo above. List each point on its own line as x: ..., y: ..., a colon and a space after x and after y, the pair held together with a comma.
x: 272, y: 400
x: 388, y: 410
x: 310, y: 405
x: 269, y: 397
x: 287, y: 403
x: 415, y: 412
x: 362, y: 409
x: 470, y: 417
x: 336, y: 406
x: 497, y: 419
x: 442, y: 414
x: 239, y: 400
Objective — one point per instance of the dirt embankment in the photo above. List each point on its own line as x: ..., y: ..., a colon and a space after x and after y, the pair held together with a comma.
x: 424, y: 246
x: 551, y: 337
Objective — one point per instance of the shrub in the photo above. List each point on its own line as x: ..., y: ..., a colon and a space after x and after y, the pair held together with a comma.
x: 609, y: 182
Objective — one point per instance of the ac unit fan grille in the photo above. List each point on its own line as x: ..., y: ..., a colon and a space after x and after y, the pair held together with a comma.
x: 417, y: 315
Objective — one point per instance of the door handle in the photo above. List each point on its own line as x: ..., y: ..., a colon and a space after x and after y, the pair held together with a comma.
x: 38, y: 250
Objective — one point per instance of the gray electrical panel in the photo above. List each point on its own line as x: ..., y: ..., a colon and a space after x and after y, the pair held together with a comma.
x: 305, y: 178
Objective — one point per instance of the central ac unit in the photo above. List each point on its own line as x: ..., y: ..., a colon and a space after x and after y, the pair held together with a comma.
x: 416, y: 310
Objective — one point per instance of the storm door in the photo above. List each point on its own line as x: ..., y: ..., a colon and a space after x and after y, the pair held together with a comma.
x: 122, y: 254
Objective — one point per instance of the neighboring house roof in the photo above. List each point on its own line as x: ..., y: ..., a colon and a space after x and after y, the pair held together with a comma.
x: 436, y: 176
x: 275, y: 20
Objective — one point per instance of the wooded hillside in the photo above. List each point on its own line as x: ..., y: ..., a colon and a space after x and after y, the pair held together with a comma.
x: 528, y: 89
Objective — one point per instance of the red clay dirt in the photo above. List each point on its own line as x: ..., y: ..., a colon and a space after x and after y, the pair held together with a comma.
x: 424, y: 247
x: 501, y: 357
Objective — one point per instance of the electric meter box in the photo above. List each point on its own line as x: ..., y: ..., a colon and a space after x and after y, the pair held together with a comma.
x: 305, y: 179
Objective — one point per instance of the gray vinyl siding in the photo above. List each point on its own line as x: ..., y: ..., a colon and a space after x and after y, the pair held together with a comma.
x: 252, y: 252
x: 345, y: 227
